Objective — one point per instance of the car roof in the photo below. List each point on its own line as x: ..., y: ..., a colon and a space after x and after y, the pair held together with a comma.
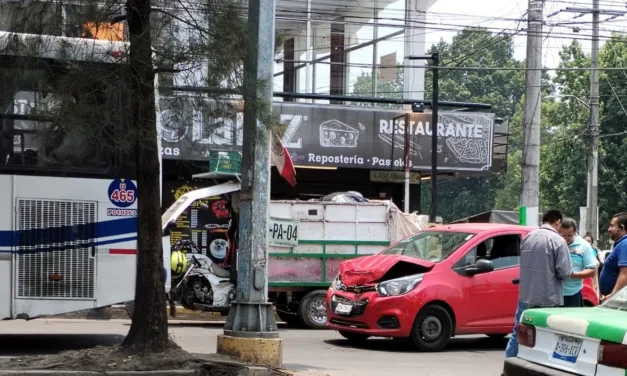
x: 477, y: 228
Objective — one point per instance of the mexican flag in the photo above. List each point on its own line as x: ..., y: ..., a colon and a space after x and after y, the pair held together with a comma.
x: 281, y: 158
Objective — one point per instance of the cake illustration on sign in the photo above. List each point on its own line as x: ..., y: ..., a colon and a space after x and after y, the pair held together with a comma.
x: 335, y: 134
x: 470, y: 148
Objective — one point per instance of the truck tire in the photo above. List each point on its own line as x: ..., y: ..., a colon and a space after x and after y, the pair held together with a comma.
x: 313, y: 309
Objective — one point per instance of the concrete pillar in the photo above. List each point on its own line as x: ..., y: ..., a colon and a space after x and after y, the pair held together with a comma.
x: 289, y: 73
x: 415, y: 45
x: 338, y: 59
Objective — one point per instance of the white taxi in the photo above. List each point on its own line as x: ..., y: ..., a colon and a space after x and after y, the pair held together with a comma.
x: 567, y: 341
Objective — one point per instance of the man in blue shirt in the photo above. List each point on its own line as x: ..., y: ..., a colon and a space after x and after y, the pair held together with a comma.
x: 584, y: 263
x: 614, y: 273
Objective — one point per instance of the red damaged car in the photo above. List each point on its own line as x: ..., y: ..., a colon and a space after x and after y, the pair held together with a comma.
x: 445, y: 281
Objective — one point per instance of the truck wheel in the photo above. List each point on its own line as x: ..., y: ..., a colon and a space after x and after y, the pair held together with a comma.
x: 313, y: 309
x: 354, y: 337
x: 432, y: 328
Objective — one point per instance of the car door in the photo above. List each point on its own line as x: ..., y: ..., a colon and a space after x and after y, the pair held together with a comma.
x: 491, y: 297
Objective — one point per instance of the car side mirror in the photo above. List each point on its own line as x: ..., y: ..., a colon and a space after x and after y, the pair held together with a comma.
x: 480, y: 267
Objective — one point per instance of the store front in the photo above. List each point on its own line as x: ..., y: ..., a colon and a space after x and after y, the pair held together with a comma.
x: 344, y: 148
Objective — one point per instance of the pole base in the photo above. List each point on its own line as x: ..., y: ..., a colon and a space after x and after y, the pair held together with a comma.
x: 262, y: 351
x: 251, y: 320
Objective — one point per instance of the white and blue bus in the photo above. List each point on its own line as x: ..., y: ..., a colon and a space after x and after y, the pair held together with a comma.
x: 68, y: 205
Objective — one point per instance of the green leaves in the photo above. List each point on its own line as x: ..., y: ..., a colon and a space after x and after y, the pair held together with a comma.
x: 565, y: 120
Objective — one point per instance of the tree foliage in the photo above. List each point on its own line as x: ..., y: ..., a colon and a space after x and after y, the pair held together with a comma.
x: 564, y: 134
x: 504, y: 89
x: 95, y: 96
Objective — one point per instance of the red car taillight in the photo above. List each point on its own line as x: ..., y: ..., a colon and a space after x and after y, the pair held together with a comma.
x: 526, y: 335
x: 612, y: 355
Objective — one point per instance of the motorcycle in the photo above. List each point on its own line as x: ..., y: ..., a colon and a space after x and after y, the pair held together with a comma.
x: 204, y: 285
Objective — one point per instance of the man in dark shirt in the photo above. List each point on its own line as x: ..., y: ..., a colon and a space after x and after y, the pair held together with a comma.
x: 614, y: 273
x: 544, y: 264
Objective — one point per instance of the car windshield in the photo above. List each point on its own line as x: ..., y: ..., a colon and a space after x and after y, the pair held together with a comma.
x: 433, y: 246
x: 618, y: 300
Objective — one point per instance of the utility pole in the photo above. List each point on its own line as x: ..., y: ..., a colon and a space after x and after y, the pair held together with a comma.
x: 592, y: 200
x: 435, y: 98
x: 593, y: 158
x: 530, y: 193
x: 407, y: 160
x: 251, y: 332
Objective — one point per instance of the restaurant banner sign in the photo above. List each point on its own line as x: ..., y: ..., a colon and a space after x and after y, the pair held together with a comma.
x: 344, y: 136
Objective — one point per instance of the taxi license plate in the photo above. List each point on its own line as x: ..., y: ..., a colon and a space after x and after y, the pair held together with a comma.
x: 567, y: 349
x: 343, y: 308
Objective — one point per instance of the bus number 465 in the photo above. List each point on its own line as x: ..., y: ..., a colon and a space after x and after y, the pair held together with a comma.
x: 119, y: 195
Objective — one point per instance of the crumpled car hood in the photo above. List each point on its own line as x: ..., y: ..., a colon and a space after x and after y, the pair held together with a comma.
x: 372, y: 269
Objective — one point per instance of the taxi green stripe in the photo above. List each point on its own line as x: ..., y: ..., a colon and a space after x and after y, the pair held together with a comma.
x: 603, y: 323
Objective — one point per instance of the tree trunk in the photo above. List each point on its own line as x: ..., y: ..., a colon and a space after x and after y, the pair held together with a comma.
x: 149, y: 327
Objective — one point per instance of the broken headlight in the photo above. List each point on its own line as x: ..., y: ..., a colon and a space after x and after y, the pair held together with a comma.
x: 399, y: 286
x: 337, y: 282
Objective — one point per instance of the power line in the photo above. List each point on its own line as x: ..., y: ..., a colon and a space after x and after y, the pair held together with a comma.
x: 458, y: 68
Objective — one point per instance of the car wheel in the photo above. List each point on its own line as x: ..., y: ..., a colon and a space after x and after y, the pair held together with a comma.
x: 432, y: 328
x: 354, y: 337
x: 313, y: 309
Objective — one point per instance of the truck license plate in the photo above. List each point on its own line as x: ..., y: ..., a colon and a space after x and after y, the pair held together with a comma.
x: 343, y: 308
x: 567, y: 349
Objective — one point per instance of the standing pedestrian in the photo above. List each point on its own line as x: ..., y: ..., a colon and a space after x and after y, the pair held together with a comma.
x: 614, y: 274
x: 597, y: 254
x: 584, y: 263
x: 588, y: 237
x: 544, y: 264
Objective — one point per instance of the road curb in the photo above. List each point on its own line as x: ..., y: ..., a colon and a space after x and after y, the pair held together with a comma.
x: 203, y: 368
x: 128, y: 321
x: 245, y: 371
x: 94, y: 373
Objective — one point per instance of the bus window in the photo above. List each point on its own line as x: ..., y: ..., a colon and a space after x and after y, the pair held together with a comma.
x: 31, y: 18
x: 30, y: 143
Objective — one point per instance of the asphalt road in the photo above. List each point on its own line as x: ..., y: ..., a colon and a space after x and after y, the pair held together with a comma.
x: 322, y: 351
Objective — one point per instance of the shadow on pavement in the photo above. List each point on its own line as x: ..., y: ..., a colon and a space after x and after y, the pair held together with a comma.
x: 40, y: 344
x: 456, y: 344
